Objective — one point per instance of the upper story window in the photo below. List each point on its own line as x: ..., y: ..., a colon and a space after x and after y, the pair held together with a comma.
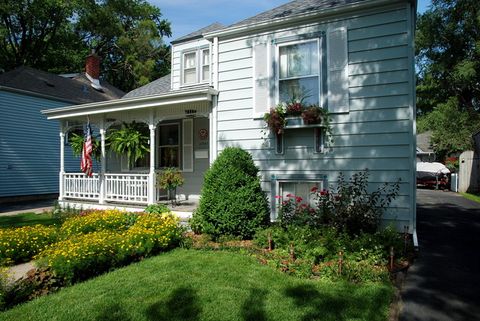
x: 299, y: 71
x: 196, y: 67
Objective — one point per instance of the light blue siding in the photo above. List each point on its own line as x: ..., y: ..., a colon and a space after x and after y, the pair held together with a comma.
x: 29, y: 146
x: 376, y: 133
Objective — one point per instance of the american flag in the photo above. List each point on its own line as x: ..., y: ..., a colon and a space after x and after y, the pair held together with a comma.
x: 86, y: 164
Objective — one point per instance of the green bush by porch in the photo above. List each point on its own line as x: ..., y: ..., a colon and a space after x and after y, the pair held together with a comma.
x: 232, y: 201
x: 200, y: 285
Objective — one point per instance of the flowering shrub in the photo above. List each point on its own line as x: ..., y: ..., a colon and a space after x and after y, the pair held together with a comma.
x: 84, y: 255
x: 97, y: 220
x: 18, y: 245
x: 81, y: 256
x: 293, y: 211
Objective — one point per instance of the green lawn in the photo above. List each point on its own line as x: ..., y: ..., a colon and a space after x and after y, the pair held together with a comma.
x: 199, y: 285
x: 472, y: 197
x: 25, y: 219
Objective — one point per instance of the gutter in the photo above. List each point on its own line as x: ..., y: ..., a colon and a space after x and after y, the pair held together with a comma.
x: 275, y: 23
x: 172, y: 97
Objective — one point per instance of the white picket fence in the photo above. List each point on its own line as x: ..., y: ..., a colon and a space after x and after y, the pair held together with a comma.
x: 80, y: 186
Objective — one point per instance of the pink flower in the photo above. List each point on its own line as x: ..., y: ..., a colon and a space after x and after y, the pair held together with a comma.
x: 290, y: 195
x: 278, y: 197
x: 298, y: 199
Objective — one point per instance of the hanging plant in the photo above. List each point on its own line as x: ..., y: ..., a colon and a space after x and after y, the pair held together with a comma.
x: 130, y: 140
x: 275, y: 119
x: 76, y: 143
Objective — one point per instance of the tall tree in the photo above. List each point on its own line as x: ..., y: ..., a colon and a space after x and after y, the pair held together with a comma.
x: 128, y: 35
x: 57, y: 35
x: 448, y: 72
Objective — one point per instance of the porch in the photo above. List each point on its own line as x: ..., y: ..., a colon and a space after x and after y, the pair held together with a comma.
x: 179, y: 128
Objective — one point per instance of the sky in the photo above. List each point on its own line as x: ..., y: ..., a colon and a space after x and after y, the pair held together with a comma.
x: 187, y: 16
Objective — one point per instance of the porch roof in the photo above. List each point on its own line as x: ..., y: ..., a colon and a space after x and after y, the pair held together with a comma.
x: 188, y: 95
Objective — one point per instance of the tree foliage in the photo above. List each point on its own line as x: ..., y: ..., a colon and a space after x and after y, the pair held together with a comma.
x: 57, y: 35
x: 448, y: 71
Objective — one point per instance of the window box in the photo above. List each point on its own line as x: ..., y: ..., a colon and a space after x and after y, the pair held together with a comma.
x: 297, y: 122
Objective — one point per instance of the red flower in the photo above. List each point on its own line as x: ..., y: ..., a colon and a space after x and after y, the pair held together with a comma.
x: 323, y: 192
x: 278, y: 197
x: 314, y: 189
x: 298, y: 199
x: 290, y: 195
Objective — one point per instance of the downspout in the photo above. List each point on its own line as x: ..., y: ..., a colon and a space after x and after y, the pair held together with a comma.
x: 411, y: 9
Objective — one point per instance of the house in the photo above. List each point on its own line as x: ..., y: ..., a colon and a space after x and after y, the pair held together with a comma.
x: 29, y: 149
x: 354, y: 58
x: 425, y: 151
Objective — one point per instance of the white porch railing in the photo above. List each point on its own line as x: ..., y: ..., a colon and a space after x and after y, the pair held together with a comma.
x: 126, y: 188
x: 78, y: 185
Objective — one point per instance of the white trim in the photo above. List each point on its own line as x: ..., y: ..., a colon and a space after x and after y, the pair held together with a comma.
x: 185, y: 146
x: 197, y: 94
x: 320, y: 69
x: 214, y: 64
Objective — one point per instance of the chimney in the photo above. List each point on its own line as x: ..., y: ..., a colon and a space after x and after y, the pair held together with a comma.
x: 92, y: 70
x: 92, y: 66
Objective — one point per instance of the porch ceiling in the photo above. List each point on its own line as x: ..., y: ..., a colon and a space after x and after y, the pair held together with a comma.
x: 173, y: 99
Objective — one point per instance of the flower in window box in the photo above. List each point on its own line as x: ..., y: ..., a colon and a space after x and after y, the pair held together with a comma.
x: 312, y: 115
x: 275, y: 119
x: 294, y: 109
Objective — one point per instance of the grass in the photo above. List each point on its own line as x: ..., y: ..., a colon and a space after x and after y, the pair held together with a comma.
x: 472, y: 197
x: 25, y: 219
x: 202, y: 285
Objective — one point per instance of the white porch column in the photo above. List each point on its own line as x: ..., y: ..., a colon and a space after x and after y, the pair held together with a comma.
x: 101, y: 198
x: 152, y: 191
x: 62, y: 166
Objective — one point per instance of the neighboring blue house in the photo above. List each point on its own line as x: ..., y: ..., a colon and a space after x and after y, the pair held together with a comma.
x: 353, y: 58
x: 29, y: 149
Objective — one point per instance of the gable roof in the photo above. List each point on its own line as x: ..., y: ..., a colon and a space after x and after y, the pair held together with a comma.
x: 159, y: 86
x: 76, y: 89
x: 199, y: 33
x: 294, y: 8
x: 424, y: 142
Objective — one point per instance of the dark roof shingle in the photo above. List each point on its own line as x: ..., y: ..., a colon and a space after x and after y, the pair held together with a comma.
x: 159, y: 86
x: 198, y: 34
x: 76, y: 89
x: 294, y: 8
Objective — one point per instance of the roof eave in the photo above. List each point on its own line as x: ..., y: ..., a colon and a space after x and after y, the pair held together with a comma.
x: 169, y: 98
x: 297, y: 18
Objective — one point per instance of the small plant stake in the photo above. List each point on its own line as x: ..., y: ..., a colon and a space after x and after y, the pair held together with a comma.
x: 340, y: 262
x: 391, y: 258
x: 292, y: 252
x: 269, y: 241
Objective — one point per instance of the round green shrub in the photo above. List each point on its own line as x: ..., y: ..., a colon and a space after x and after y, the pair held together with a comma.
x: 232, y: 201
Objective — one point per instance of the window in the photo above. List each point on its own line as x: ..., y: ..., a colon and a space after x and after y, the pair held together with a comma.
x: 196, y: 67
x: 190, y: 68
x: 302, y: 189
x: 205, y: 65
x: 299, y: 71
x: 169, y: 145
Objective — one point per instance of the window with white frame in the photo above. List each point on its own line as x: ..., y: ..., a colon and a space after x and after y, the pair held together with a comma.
x: 299, y: 73
x: 196, y: 67
x: 190, y: 68
x: 205, y: 73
